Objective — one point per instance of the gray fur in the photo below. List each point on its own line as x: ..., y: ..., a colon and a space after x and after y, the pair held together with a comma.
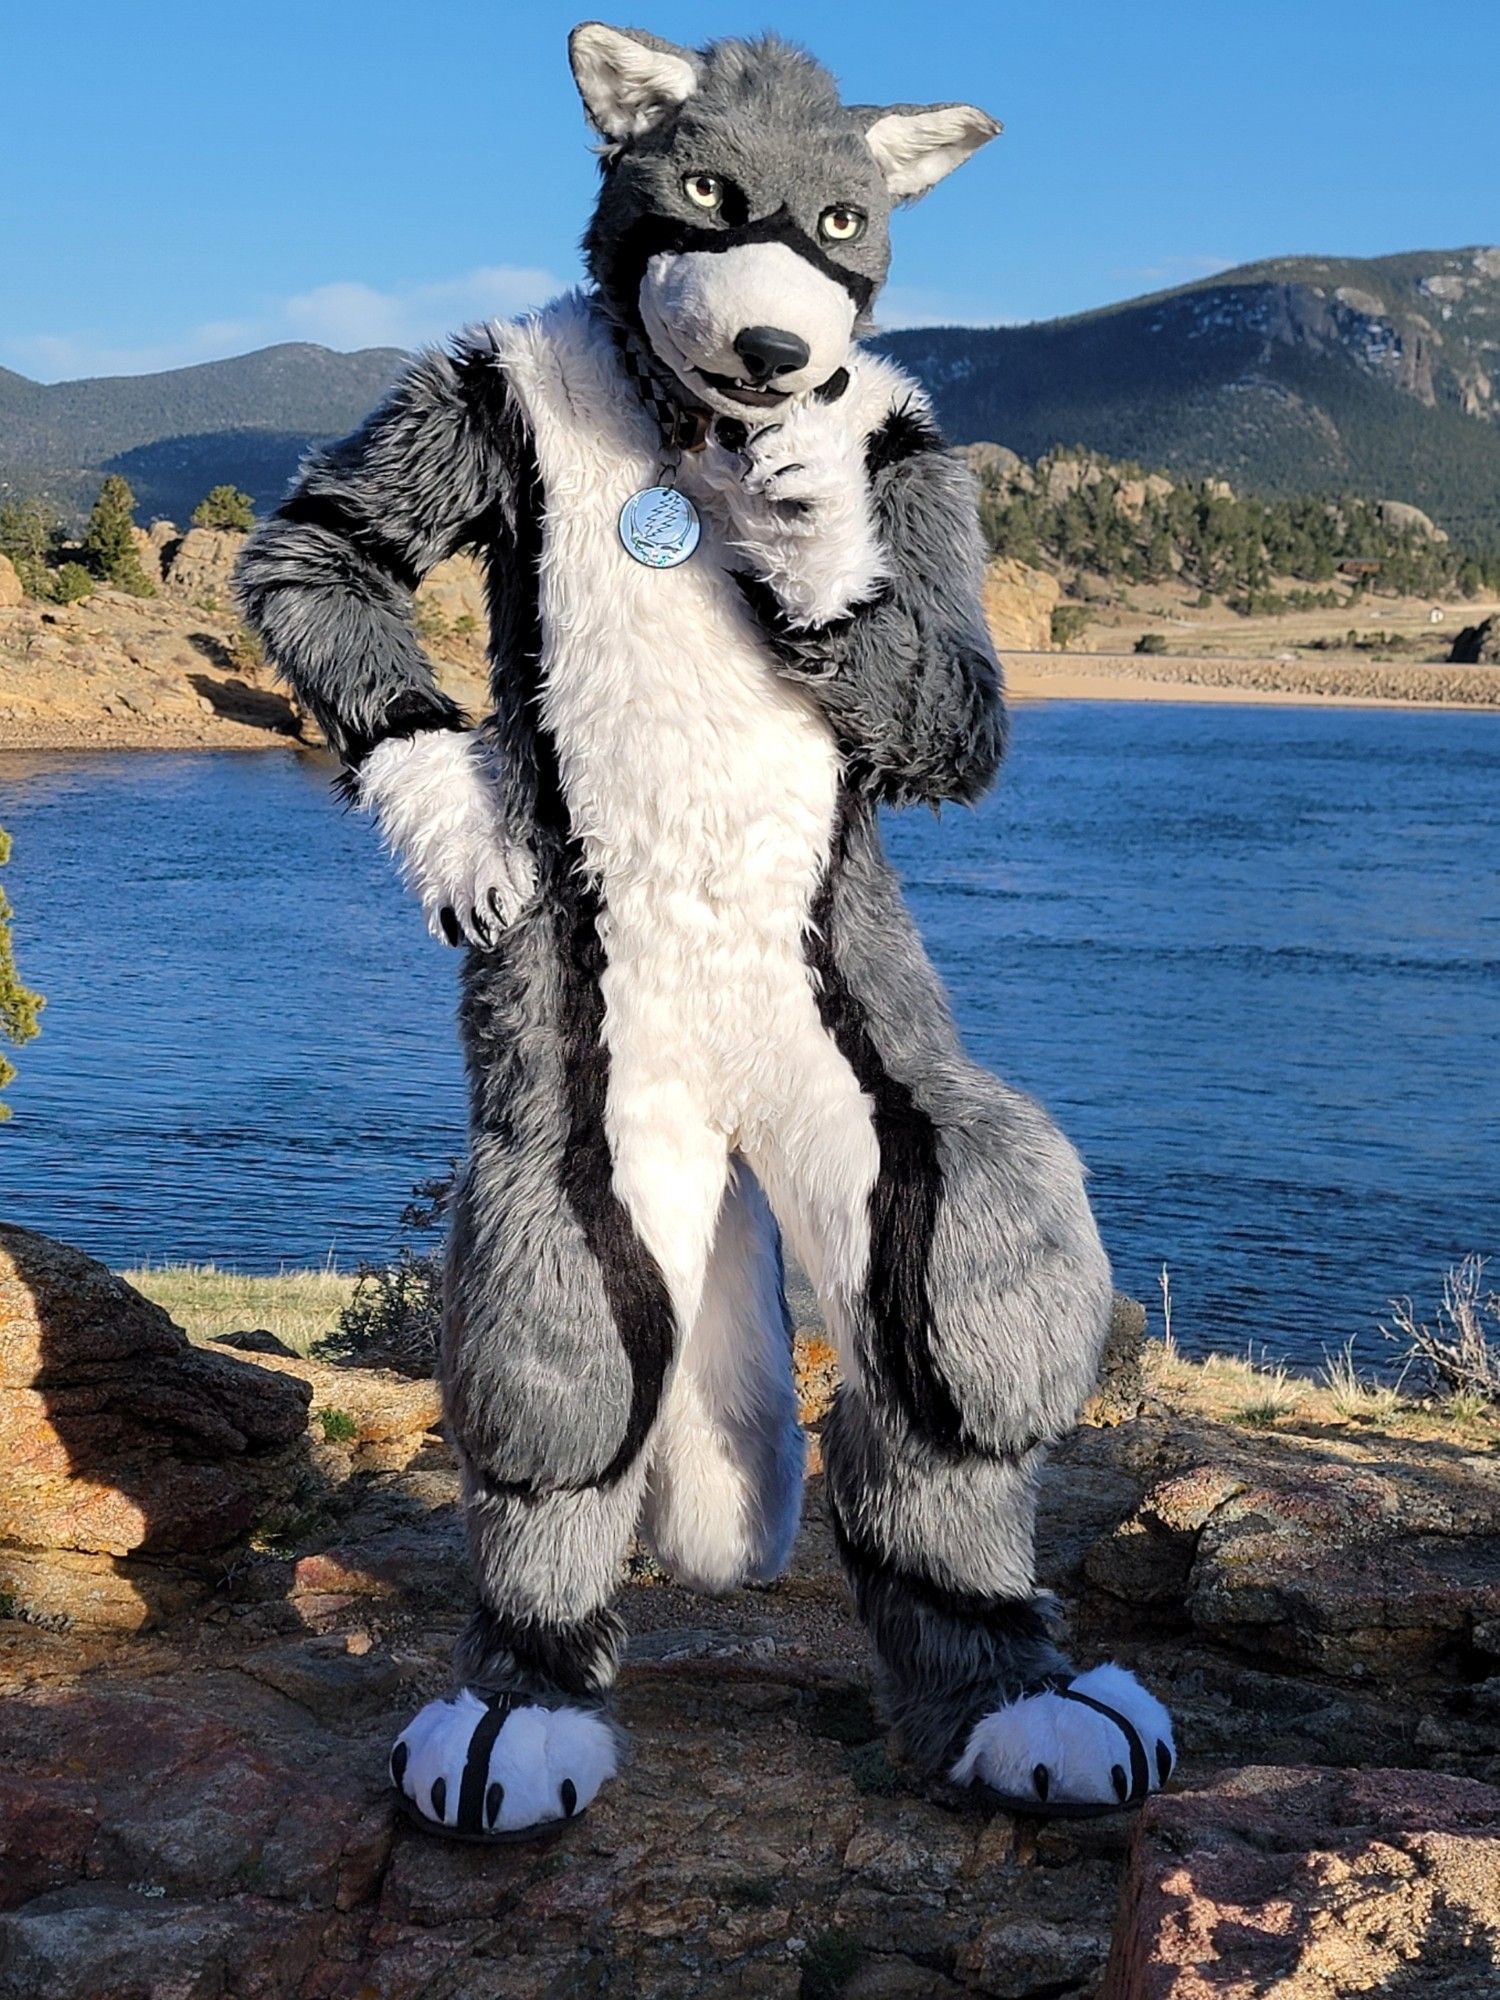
x: 538, y: 1383
x: 327, y: 582
x: 911, y: 685
x: 769, y: 117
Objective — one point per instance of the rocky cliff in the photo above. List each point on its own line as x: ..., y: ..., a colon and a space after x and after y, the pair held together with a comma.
x: 192, y: 1794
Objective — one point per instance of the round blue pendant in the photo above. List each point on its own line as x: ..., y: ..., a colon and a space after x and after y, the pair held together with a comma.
x: 659, y: 527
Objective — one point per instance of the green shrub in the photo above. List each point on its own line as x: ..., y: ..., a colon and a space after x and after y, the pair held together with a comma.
x: 1151, y: 642
x: 109, y: 545
x: 29, y: 535
x: 19, y: 1006
x: 71, y: 583
x: 1068, y: 622
x: 225, y: 507
x: 338, y: 1427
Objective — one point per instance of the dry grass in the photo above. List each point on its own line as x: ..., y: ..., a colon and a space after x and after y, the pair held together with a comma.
x: 299, y: 1307
x: 1360, y: 1397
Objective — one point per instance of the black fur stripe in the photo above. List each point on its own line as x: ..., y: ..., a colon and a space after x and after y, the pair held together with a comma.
x: 904, y: 1200
x: 639, y: 1300
x: 331, y: 513
x: 907, y: 430
x: 651, y: 235
x: 576, y: 1660
x: 476, y: 1775
x: 1004, y: 1619
x: 1140, y: 1775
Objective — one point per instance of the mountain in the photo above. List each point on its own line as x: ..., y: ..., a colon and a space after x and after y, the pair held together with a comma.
x: 1378, y: 376
x: 176, y: 434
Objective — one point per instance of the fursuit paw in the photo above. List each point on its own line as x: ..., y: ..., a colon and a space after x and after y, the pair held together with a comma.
x: 801, y: 511
x: 436, y: 798
x: 1102, y: 1742
x: 491, y: 1768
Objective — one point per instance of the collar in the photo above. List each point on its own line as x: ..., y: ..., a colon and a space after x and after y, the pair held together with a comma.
x: 682, y: 422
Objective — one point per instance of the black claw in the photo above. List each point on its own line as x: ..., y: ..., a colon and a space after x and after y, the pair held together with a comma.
x: 1120, y: 1782
x: 493, y: 899
x: 399, y: 1758
x: 451, y: 927
x: 481, y: 929
x: 1041, y: 1777
x: 439, y: 1797
x: 494, y: 1798
x: 568, y: 1793
x: 1163, y: 1763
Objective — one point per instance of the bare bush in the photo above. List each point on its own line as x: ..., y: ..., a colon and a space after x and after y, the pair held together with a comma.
x: 1459, y: 1352
x: 394, y: 1318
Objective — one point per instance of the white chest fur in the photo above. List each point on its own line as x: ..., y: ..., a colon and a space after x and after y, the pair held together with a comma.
x: 701, y: 784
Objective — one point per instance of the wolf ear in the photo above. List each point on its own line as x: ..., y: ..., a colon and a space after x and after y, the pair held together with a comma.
x: 629, y: 81
x: 915, y: 146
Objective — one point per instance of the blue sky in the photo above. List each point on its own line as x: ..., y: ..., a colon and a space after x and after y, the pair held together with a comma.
x: 184, y: 182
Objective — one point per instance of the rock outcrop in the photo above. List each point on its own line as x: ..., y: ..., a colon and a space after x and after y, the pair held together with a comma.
x: 201, y: 1808
x: 130, y: 1455
x: 1019, y: 603
x: 1308, y: 1884
x: 12, y: 596
x: 1478, y: 645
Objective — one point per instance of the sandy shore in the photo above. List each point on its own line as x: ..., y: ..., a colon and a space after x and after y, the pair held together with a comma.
x: 1279, y: 683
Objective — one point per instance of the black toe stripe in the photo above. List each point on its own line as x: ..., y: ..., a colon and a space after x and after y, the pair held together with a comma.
x: 439, y: 1798
x: 568, y: 1797
x: 1140, y: 1770
x: 1163, y: 1763
x: 472, y: 1787
x: 399, y: 1758
x: 494, y: 1798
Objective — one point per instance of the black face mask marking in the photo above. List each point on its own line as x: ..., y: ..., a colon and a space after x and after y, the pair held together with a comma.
x: 652, y: 235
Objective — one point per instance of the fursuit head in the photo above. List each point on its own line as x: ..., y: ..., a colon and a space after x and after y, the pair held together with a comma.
x: 733, y: 577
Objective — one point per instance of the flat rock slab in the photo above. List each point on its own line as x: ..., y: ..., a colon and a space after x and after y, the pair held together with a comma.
x: 1307, y: 1884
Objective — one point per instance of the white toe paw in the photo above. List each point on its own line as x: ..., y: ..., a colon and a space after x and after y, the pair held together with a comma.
x: 502, y: 1765
x: 1104, y: 1740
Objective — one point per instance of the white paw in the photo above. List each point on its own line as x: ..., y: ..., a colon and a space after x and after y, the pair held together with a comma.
x: 1059, y: 1750
x: 802, y: 512
x: 436, y: 798
x: 503, y: 1765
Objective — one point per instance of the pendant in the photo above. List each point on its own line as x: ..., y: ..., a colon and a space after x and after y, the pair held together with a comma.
x: 659, y: 527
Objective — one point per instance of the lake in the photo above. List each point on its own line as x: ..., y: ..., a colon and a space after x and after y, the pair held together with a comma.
x: 1249, y: 956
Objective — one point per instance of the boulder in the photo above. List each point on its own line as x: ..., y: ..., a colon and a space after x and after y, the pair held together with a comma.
x: 1478, y: 645
x: 199, y: 565
x: 1404, y: 518
x: 129, y: 1452
x: 12, y: 596
x: 1309, y: 1883
x: 1018, y: 603
x: 1375, y: 1559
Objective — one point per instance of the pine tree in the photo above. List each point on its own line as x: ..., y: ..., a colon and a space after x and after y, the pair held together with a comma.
x: 109, y: 542
x: 225, y: 507
x: 19, y: 1006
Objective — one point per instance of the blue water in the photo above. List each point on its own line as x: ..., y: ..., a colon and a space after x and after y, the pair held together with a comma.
x: 1249, y: 956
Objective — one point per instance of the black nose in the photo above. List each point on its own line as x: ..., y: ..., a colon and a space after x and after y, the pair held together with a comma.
x: 768, y: 351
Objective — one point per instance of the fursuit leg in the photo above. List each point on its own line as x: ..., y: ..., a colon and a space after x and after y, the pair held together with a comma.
x: 943, y: 1220
x: 580, y: 1234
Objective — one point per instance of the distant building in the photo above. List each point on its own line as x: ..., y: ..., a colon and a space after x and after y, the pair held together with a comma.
x: 1357, y: 566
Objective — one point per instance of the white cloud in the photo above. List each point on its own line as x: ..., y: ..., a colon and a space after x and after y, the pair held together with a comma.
x: 342, y: 315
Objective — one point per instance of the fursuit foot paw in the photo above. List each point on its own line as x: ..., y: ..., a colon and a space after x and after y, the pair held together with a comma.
x: 499, y: 1767
x: 1096, y: 1745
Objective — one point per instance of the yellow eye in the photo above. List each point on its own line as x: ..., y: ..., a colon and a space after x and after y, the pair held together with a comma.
x: 704, y: 190
x: 840, y: 224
